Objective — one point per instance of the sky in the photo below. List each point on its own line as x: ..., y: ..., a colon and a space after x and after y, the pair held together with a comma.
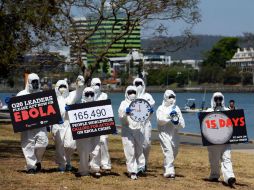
x: 226, y: 17
x: 218, y: 17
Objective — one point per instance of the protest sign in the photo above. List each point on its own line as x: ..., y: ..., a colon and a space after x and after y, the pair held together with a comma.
x: 34, y: 110
x: 223, y: 127
x: 91, y: 119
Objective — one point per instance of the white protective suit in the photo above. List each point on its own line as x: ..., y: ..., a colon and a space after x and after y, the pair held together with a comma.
x: 147, y: 125
x: 103, y: 157
x: 34, y: 141
x: 132, y: 136
x: 220, y: 153
x: 168, y: 131
x: 65, y: 145
x: 88, y: 147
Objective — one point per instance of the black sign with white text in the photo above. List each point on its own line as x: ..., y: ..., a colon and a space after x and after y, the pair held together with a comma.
x: 34, y: 110
x: 223, y: 127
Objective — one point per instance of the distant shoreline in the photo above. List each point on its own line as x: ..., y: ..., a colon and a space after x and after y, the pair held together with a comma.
x: 197, y: 89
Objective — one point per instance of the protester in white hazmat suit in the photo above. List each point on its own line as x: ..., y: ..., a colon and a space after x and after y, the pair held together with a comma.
x: 170, y: 120
x: 34, y: 141
x: 103, y: 157
x: 140, y: 85
x: 220, y: 154
x: 132, y: 135
x: 88, y: 148
x: 65, y: 145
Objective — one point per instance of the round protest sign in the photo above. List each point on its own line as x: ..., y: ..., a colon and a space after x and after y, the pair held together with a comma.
x: 217, y: 128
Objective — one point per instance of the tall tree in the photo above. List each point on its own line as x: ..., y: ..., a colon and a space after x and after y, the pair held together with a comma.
x: 221, y: 52
x: 25, y: 24
x: 135, y: 13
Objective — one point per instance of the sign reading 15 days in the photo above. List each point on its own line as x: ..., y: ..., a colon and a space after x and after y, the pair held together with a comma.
x: 224, y: 127
x: 91, y: 119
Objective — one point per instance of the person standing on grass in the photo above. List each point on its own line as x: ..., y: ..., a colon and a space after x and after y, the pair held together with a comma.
x: 65, y: 145
x: 103, y: 158
x: 132, y: 135
x: 220, y: 154
x: 140, y: 85
x: 88, y: 148
x: 170, y: 120
x: 34, y: 141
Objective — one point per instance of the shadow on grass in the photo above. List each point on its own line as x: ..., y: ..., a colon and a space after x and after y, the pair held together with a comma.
x: 236, y: 184
x: 118, y: 161
x: 189, y: 143
x: 111, y: 173
x: 10, y: 149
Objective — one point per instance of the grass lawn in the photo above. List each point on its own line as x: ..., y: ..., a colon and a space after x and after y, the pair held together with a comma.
x: 192, y: 169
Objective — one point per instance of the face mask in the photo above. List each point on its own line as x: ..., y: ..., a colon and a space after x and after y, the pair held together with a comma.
x: 96, y: 88
x: 89, y: 99
x: 132, y: 97
x: 169, y: 102
x: 35, y: 84
x: 62, y: 90
x: 139, y: 89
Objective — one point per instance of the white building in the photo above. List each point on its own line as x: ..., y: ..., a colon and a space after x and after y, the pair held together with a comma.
x: 243, y: 59
x: 195, y: 64
x: 157, y: 58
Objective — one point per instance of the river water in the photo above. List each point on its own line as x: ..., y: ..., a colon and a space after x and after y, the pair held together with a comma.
x: 243, y: 101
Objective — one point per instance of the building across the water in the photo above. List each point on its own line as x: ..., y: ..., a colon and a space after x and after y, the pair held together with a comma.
x: 79, y: 27
x: 243, y: 59
x: 107, y: 32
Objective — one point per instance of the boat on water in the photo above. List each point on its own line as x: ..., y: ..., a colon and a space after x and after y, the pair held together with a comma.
x: 190, y: 106
x: 4, y: 111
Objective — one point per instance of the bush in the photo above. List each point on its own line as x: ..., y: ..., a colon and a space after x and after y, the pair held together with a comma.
x: 247, y: 78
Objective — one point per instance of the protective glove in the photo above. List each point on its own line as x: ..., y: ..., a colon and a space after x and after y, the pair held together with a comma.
x: 67, y: 108
x: 174, y: 117
x: 151, y: 110
x: 172, y: 113
x: 128, y: 110
x: 175, y: 122
x: 7, y: 100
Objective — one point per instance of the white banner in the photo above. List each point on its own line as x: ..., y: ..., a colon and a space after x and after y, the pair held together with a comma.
x: 91, y: 113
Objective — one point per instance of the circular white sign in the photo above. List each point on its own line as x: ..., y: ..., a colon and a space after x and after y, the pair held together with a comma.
x: 215, y: 130
x: 139, y: 110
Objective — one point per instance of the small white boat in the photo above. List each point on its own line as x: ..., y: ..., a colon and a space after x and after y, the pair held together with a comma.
x: 190, y: 106
x: 4, y: 112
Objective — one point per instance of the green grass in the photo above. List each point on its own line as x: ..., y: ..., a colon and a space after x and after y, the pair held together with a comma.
x: 191, y: 168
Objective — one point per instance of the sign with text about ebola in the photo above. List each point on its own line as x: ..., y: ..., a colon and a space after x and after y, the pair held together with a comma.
x: 91, y: 119
x: 223, y: 127
x: 34, y: 110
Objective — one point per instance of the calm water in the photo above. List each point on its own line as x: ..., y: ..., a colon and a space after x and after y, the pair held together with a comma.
x: 243, y: 101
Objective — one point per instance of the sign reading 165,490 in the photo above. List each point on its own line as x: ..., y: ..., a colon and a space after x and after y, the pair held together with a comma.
x: 91, y: 119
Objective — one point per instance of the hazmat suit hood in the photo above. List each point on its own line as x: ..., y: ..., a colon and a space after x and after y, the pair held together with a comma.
x: 94, y: 82
x: 61, y: 90
x: 169, y: 102
x: 217, y: 94
x: 33, y: 83
x: 140, y: 89
x: 129, y: 98
x: 90, y: 98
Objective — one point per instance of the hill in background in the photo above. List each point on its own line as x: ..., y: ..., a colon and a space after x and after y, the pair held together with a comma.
x: 194, y: 50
